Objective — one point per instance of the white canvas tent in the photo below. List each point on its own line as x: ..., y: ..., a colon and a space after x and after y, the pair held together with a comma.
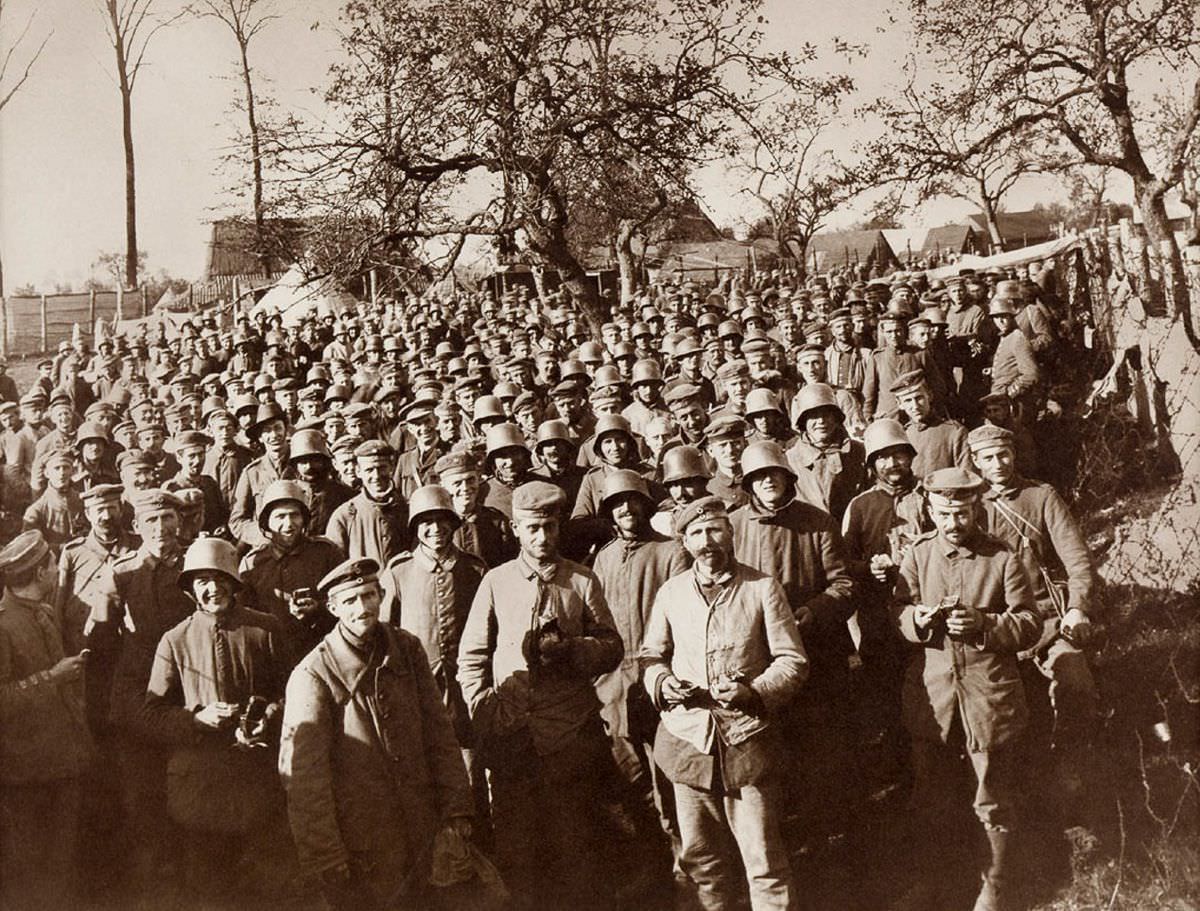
x: 1008, y: 260
x: 294, y: 298
x: 170, y: 323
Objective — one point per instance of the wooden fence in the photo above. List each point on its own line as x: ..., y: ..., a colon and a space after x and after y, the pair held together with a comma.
x: 33, y: 325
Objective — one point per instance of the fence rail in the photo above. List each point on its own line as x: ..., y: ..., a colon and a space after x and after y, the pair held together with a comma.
x: 36, y: 324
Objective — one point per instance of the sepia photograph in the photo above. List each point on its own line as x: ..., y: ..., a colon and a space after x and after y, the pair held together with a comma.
x: 599, y: 455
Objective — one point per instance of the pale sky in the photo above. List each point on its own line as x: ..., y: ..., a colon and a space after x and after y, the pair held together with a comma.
x: 61, y: 158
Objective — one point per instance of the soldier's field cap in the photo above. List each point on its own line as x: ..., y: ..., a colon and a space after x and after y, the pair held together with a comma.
x: 147, y: 502
x: 698, y: 510
x: 907, y: 381
x: 842, y: 314
x: 988, y: 436
x: 418, y: 411
x: 6, y: 407
x: 34, y: 396
x: 348, y: 575
x: 60, y: 454
x: 191, y: 439
x: 453, y: 464
x: 808, y: 351
x: 953, y: 485
x: 100, y: 493
x: 726, y: 427
x: 526, y: 401
x: 680, y: 393
x: 732, y: 369
x: 373, y: 449
x: 538, y: 499
x: 563, y: 389
x: 23, y: 552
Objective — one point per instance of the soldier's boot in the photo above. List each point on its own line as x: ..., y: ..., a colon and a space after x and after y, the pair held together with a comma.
x: 996, y: 893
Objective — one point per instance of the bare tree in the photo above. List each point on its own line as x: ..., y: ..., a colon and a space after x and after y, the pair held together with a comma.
x: 245, y: 19
x: 1082, y: 71
x: 790, y: 165
x: 930, y: 147
x: 131, y: 25
x: 533, y: 100
x: 10, y: 63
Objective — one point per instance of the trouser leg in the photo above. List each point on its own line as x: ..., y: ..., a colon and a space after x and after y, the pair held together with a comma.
x: 995, y: 806
x: 515, y: 822
x: 706, y: 853
x: 477, y: 775
x: 39, y: 832
x: 753, y: 815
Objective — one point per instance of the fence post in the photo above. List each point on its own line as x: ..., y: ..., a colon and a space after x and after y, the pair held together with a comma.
x: 3, y: 326
x: 142, y: 292
x: 45, y: 345
x: 374, y: 287
x: 92, y: 312
x: 120, y: 303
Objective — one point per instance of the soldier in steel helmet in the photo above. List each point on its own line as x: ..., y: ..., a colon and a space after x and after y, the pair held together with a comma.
x: 213, y: 700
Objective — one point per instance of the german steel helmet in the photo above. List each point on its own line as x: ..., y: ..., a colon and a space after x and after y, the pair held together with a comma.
x: 279, y: 492
x: 206, y: 553
x: 683, y: 462
x: 762, y: 455
x: 428, y: 500
x: 884, y: 434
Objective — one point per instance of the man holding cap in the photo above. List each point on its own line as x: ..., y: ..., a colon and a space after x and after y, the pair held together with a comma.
x: 368, y: 756
x: 538, y: 633
x: 721, y: 657
x: 965, y: 601
x: 44, y: 741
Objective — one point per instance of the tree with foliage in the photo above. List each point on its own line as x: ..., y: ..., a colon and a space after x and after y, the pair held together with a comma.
x: 1081, y: 72
x: 532, y: 105
x: 110, y: 269
x: 131, y: 25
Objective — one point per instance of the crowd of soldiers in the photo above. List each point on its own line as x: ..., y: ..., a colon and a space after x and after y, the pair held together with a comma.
x: 396, y: 598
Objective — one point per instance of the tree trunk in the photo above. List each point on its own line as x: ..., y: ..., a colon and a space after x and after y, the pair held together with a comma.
x: 551, y: 242
x: 131, y: 248
x: 260, y: 239
x: 1171, y: 296
x: 988, y: 204
x: 800, y: 252
x: 626, y: 263
x: 547, y: 235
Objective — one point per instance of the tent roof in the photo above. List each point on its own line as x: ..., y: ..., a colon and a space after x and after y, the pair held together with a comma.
x: 295, y: 296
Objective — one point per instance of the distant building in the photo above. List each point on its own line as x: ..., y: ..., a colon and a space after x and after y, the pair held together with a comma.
x: 1017, y: 229
x: 867, y: 251
x: 235, y: 263
x: 953, y: 240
